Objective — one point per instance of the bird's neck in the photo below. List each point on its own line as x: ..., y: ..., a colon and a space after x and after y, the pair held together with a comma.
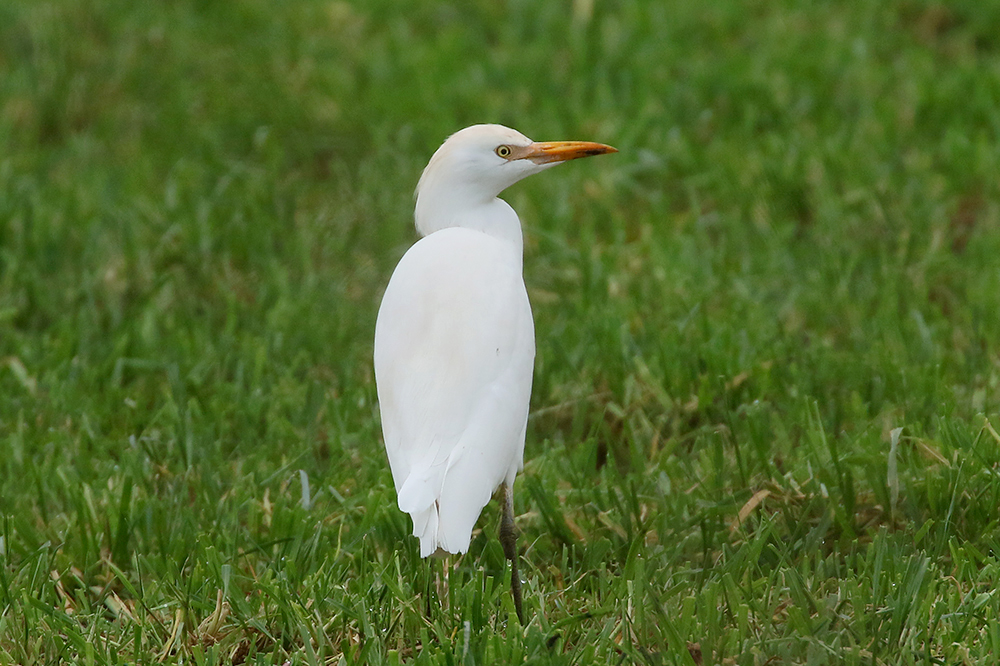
x: 494, y: 217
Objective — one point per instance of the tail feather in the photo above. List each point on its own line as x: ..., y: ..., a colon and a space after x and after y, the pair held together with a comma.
x: 445, y: 500
x: 435, y: 538
x: 425, y: 527
x: 446, y: 522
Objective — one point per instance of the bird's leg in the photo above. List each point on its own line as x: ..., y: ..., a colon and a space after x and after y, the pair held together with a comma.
x: 444, y: 593
x: 508, y: 539
x: 431, y: 586
x: 442, y: 575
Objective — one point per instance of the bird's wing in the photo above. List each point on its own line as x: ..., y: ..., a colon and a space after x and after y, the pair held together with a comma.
x: 454, y: 350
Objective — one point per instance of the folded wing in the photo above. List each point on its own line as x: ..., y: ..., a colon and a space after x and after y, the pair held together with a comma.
x: 454, y: 350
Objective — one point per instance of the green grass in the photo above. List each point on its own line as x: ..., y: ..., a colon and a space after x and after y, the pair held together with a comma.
x: 796, y: 252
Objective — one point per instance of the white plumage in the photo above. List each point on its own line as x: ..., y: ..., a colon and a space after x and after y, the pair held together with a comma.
x: 454, y: 339
x: 453, y: 365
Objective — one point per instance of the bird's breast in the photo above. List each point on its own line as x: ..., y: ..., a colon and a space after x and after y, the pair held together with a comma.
x: 454, y: 324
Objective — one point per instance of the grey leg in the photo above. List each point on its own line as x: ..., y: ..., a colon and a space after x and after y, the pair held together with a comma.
x: 508, y: 539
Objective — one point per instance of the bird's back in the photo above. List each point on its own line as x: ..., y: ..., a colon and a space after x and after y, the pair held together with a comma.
x: 454, y: 350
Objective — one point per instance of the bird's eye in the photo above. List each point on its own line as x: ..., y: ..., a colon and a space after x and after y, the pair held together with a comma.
x: 503, y: 151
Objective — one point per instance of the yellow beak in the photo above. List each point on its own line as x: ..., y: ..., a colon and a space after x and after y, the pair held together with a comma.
x: 543, y: 152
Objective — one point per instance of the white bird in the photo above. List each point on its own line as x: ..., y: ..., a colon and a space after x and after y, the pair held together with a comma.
x: 454, y: 340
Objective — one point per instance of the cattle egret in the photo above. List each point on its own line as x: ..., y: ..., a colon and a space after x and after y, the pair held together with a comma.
x: 454, y: 340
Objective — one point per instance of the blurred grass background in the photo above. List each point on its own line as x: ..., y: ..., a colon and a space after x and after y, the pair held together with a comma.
x: 796, y: 252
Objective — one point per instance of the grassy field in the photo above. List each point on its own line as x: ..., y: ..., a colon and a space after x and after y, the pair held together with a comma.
x: 767, y: 394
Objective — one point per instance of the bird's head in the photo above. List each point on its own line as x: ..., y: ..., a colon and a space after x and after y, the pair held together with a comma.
x: 477, y: 163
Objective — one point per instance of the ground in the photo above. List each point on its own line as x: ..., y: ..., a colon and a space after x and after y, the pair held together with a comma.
x: 767, y: 397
